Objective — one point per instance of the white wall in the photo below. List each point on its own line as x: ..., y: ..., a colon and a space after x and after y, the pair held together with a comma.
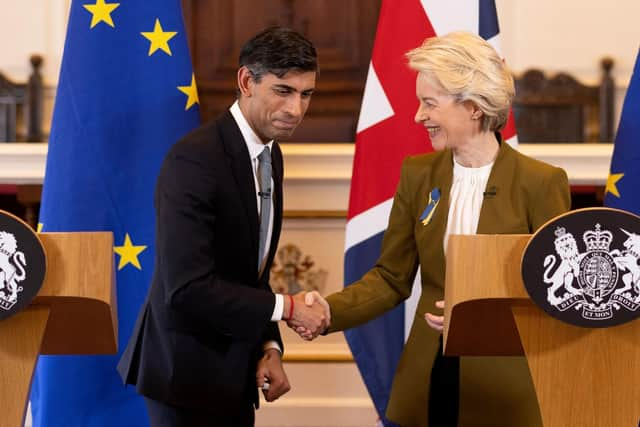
x: 28, y: 27
x: 569, y: 35
x: 32, y: 26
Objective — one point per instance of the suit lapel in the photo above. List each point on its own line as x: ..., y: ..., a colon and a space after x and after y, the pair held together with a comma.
x: 431, y: 235
x: 240, y: 162
x: 442, y: 178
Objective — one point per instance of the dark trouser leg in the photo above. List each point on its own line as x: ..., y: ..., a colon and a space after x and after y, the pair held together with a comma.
x: 444, y: 391
x: 165, y: 415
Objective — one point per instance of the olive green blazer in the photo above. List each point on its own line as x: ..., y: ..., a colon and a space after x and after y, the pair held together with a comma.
x: 494, y: 391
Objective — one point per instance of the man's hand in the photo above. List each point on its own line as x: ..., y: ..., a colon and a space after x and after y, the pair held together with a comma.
x: 271, y: 373
x: 312, y: 299
x: 435, y: 322
x: 313, y: 318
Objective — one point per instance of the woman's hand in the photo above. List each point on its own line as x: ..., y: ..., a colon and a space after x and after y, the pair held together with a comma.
x: 435, y: 322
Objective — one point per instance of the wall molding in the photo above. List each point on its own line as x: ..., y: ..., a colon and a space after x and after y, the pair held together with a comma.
x: 321, y: 165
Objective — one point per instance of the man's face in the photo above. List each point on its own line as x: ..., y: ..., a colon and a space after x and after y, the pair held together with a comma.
x: 275, y: 106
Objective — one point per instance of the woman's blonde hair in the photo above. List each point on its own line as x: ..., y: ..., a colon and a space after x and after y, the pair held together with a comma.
x: 468, y: 68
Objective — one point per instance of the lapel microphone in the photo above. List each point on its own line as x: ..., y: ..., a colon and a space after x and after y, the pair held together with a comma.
x: 491, y: 192
x: 264, y: 194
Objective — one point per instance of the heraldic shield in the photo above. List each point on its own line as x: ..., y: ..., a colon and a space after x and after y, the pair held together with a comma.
x: 22, y: 265
x: 584, y: 267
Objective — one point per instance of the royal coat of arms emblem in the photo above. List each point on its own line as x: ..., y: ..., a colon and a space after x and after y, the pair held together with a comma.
x: 592, y: 280
x: 22, y: 265
x: 12, y: 270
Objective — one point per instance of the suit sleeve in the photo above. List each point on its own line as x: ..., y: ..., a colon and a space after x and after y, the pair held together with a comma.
x: 390, y: 281
x: 552, y: 199
x: 186, y: 216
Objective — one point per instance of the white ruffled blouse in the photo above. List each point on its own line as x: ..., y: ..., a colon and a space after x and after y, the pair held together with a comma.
x: 465, y: 199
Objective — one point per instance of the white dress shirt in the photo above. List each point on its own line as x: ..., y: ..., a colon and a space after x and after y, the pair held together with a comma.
x: 255, y: 146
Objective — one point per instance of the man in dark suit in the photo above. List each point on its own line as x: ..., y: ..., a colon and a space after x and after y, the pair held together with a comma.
x: 206, y: 338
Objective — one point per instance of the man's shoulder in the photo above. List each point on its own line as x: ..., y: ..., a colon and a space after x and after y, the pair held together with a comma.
x: 206, y: 133
x: 207, y: 138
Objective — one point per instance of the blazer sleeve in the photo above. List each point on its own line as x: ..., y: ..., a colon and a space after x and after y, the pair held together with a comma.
x: 390, y: 281
x: 552, y: 198
x: 186, y: 215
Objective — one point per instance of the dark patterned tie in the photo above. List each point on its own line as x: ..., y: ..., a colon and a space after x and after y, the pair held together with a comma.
x: 264, y: 175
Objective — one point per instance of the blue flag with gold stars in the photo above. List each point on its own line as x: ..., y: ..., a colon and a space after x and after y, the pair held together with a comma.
x: 126, y: 93
x: 624, y: 177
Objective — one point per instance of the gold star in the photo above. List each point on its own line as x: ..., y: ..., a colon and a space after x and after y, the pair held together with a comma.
x: 159, y: 39
x: 611, y: 184
x: 128, y: 253
x: 39, y: 229
x: 191, y: 92
x: 101, y: 12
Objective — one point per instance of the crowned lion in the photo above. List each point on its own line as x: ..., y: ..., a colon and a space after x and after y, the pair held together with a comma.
x: 12, y: 265
x: 568, y: 269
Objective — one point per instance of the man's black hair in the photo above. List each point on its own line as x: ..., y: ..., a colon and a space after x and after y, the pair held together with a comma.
x: 278, y: 50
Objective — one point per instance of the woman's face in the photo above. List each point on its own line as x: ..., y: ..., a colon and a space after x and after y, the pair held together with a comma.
x: 450, y: 124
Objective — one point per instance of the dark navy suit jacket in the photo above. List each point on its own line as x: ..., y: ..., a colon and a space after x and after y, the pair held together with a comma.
x: 199, y: 334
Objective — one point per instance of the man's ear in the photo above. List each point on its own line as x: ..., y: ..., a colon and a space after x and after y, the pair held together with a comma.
x: 245, y: 81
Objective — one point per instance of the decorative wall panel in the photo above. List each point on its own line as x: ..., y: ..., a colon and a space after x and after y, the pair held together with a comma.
x: 342, y: 31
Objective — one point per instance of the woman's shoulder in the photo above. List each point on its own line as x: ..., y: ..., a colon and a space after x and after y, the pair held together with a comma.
x: 532, y: 166
x: 424, y: 160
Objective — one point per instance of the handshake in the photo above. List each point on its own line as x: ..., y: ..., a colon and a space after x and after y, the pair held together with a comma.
x: 307, y: 313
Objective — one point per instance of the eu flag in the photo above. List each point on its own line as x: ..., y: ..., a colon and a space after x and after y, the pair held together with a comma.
x: 126, y: 93
x: 624, y: 177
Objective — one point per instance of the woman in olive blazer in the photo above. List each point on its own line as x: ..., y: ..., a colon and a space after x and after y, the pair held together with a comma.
x: 465, y: 93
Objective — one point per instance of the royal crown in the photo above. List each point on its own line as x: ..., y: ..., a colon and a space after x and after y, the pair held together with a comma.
x: 562, y: 237
x: 6, y: 302
x: 598, y: 240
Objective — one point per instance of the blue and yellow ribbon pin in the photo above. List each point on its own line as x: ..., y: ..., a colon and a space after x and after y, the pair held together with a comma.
x: 434, y: 199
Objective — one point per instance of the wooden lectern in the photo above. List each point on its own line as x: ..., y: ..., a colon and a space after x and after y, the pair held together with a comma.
x: 74, y: 313
x: 583, y: 377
